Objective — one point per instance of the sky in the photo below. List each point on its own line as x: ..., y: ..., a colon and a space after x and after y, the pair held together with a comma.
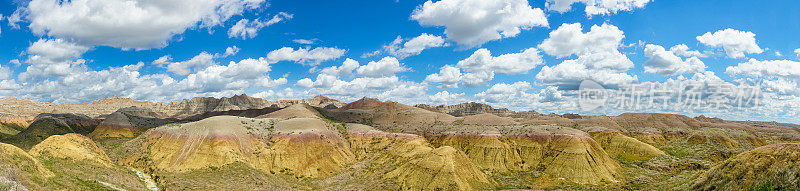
x: 516, y: 54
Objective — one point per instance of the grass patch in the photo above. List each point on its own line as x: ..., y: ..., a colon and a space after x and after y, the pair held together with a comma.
x: 764, y: 186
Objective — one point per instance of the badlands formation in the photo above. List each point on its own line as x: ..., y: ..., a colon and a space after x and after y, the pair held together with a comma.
x: 245, y: 143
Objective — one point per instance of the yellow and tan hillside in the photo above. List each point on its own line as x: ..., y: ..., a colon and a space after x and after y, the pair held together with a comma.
x: 626, y: 148
x: 487, y: 119
x: 419, y: 165
x: 304, y: 147
x: 128, y: 122
x: 775, y: 166
x: 72, y: 147
x: 443, y: 168
x: 489, y: 150
x: 12, y: 125
x: 308, y: 147
x: 565, y: 153
x: 387, y: 114
x: 560, y: 154
x: 301, y: 110
x: 17, y: 164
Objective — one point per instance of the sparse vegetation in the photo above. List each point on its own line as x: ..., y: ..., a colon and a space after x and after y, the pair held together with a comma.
x: 389, y: 146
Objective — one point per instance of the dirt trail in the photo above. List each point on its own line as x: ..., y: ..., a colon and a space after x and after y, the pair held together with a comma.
x: 148, y: 181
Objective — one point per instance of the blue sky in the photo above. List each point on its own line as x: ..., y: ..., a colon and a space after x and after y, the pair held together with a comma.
x: 758, y: 48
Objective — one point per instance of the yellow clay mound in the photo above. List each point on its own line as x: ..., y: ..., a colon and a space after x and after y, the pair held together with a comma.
x: 565, y: 153
x: 365, y: 141
x: 420, y: 167
x: 441, y: 169
x: 697, y: 139
x: 624, y: 147
x: 487, y: 119
x: 300, y: 110
x: 212, y: 142
x: 71, y: 146
x: 308, y: 147
x: 488, y: 150
x: 387, y: 114
x: 725, y: 141
x: 634, y: 121
x: 303, y: 147
x: 777, y: 164
x: 115, y: 125
x: 651, y: 138
x: 128, y: 122
x: 22, y: 122
x: 14, y: 157
x: 561, y: 154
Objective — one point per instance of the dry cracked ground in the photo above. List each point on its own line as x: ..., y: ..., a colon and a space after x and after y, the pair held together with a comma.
x: 245, y: 143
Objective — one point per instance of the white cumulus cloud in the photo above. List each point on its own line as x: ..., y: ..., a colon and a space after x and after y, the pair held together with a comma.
x: 666, y: 63
x: 196, y: 63
x: 596, y: 7
x: 735, y: 43
x: 129, y: 24
x: 245, y: 28
x: 683, y: 50
x: 472, y: 23
x: 598, y: 57
x: 402, y: 48
x: 51, y: 58
x: 781, y: 76
x: 481, y: 66
x: 569, y: 39
x: 385, y: 67
x: 305, y: 55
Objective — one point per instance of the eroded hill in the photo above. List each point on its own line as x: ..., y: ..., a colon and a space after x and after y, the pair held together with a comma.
x: 245, y: 143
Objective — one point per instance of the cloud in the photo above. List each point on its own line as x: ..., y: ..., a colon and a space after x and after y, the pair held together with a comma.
x: 245, y: 29
x: 472, y: 23
x: 82, y: 84
x: 598, y: 57
x: 5, y: 73
x: 512, y: 63
x: 449, y: 76
x: 402, y: 49
x: 607, y: 68
x: 516, y: 96
x: 378, y: 74
x: 199, y: 62
x: 345, y: 70
x: 385, y: 67
x: 596, y: 7
x: 128, y: 24
x: 15, y: 18
x: 305, y: 41
x: 683, y: 50
x: 780, y: 76
x: 56, y: 72
x: 230, y: 51
x: 376, y: 79
x: 569, y: 39
x: 447, y: 98
x: 667, y: 64
x: 480, y: 67
x: 330, y: 76
x: 797, y: 52
x: 283, y: 94
x: 235, y: 76
x: 305, y: 55
x: 51, y: 58
x: 735, y: 43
